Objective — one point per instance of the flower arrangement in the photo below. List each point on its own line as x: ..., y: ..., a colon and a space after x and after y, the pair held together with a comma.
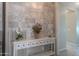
x: 19, y: 35
x: 37, y: 28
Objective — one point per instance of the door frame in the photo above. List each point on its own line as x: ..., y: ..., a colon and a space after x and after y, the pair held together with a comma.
x: 3, y: 27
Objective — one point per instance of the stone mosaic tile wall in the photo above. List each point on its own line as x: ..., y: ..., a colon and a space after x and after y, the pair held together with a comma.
x: 28, y: 14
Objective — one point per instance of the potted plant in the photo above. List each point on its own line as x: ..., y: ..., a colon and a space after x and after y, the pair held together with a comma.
x: 19, y: 35
x: 37, y: 29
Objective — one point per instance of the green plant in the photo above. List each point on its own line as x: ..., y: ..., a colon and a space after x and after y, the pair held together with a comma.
x: 19, y: 36
x: 37, y: 28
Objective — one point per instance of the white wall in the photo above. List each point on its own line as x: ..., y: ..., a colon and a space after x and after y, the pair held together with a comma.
x: 60, y: 30
x: 66, y: 26
x: 77, y: 27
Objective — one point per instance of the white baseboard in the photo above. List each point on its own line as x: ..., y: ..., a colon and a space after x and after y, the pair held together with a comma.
x: 61, y: 51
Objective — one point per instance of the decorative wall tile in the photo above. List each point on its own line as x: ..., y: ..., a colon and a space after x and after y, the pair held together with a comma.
x: 27, y: 14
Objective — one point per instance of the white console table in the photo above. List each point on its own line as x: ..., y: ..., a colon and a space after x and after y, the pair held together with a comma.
x: 20, y: 47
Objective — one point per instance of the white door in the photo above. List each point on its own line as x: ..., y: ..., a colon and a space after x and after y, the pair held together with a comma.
x: 71, y: 31
x: 71, y: 25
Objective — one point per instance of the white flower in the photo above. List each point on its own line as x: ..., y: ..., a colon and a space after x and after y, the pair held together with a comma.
x: 18, y: 31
